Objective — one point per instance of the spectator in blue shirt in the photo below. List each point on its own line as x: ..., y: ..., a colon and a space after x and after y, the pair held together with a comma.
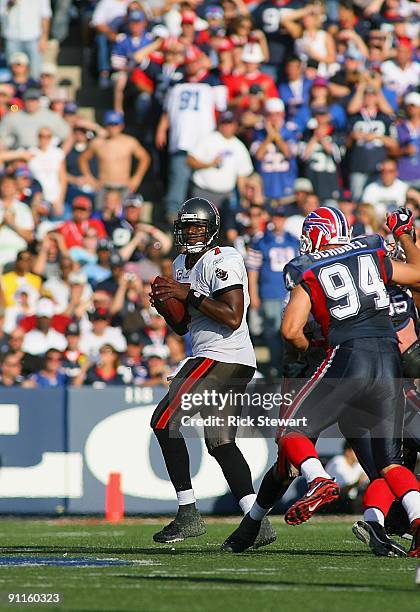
x: 265, y: 262
x: 295, y: 90
x: 274, y: 149
x: 320, y: 97
x: 100, y: 269
x: 123, y: 50
x: 51, y: 375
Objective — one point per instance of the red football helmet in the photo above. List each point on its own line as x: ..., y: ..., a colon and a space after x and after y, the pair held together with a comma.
x: 324, y: 226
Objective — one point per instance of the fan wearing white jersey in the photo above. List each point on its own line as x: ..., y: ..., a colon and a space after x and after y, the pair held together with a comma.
x: 189, y: 116
x: 212, y: 282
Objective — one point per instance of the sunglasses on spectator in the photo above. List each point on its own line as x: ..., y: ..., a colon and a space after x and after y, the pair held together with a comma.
x: 52, y: 358
x: 45, y: 135
x: 106, y: 350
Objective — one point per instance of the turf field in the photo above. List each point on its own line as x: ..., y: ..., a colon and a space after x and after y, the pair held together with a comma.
x: 318, y: 566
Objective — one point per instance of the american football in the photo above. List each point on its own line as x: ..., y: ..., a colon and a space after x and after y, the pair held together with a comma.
x: 174, y: 307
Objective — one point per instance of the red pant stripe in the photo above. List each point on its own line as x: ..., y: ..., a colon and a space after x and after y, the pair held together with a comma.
x: 307, y: 387
x: 184, y: 388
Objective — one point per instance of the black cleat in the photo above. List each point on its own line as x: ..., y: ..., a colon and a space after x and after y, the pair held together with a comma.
x: 266, y: 535
x: 415, y: 544
x: 244, y: 536
x: 396, y: 521
x: 185, y: 525
x: 375, y: 536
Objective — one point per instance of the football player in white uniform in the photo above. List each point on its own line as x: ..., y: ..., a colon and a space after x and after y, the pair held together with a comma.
x: 212, y: 282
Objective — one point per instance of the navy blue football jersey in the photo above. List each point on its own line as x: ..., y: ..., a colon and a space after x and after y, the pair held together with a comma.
x: 401, y: 307
x: 346, y: 285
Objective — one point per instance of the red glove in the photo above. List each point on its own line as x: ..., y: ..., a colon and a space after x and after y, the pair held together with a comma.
x: 400, y: 222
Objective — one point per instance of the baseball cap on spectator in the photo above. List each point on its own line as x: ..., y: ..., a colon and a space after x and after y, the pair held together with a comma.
x: 44, y: 308
x: 252, y: 53
x: 19, y: 58
x: 227, y: 117
x: 280, y: 211
x: 303, y: 184
x: 214, y: 12
x: 70, y: 108
x: 113, y: 118
x: 136, y: 15
x: 135, y: 337
x: 412, y: 98
x: 23, y: 172
x: 49, y: 68
x: 32, y: 94
x: 104, y: 244
x: 82, y: 201
x: 116, y: 261
x: 156, y: 350
x: 188, y: 17
x: 274, y: 105
x: 73, y: 329
x: 345, y: 195
x: 320, y: 82
x: 193, y: 54
x: 353, y: 53
x: 133, y: 199
x: 100, y: 314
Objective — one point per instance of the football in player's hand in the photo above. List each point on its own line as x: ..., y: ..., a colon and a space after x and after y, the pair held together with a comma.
x: 173, y: 308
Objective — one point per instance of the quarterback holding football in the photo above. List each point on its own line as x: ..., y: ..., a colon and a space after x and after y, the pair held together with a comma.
x: 207, y: 296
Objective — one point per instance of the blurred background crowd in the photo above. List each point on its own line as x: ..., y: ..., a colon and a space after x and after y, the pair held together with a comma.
x: 269, y: 109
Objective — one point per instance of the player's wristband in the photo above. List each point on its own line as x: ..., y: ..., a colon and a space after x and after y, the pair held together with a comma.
x: 194, y: 298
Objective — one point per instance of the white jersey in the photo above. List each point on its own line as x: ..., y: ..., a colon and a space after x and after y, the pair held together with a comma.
x: 216, y: 271
x: 191, y: 110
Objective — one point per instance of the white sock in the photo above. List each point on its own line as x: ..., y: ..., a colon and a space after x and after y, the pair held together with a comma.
x: 312, y: 468
x: 257, y: 513
x: 246, y: 502
x: 411, y: 503
x: 374, y: 515
x: 186, y: 497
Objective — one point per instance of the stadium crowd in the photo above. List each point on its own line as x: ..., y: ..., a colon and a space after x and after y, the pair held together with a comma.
x: 269, y: 109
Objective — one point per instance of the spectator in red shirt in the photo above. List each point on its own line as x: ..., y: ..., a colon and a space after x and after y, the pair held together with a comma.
x: 75, y: 229
x: 252, y: 57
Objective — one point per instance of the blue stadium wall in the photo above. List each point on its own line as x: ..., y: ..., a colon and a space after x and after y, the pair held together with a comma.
x: 57, y: 449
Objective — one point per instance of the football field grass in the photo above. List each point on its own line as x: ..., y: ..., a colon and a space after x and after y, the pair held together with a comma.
x: 318, y: 566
